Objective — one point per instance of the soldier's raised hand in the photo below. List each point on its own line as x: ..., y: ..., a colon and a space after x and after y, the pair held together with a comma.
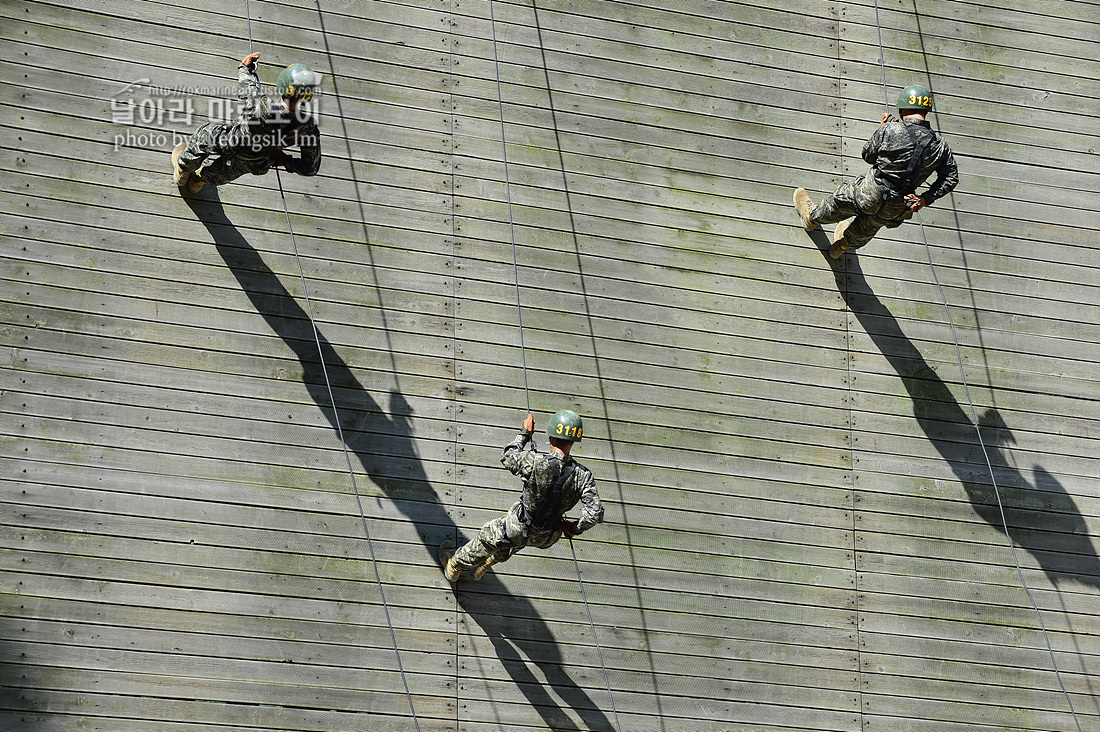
x: 250, y: 60
x: 529, y: 423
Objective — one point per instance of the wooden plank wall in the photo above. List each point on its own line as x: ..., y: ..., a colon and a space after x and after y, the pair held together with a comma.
x: 802, y: 533
x: 947, y: 634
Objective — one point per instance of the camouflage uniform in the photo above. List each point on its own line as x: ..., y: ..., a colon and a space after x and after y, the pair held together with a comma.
x: 552, y: 485
x: 878, y: 198
x: 245, y: 145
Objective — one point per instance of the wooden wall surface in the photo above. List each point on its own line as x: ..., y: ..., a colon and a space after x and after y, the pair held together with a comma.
x: 802, y: 529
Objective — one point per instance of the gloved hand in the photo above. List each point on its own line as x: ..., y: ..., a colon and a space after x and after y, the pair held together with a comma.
x: 277, y: 157
x: 250, y: 60
x: 567, y: 529
x: 529, y: 423
x: 915, y: 202
x: 885, y: 119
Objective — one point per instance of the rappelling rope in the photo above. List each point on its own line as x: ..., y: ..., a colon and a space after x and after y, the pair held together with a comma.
x: 336, y: 421
x: 508, y: 194
x: 591, y: 624
x: 974, y: 414
x: 519, y: 312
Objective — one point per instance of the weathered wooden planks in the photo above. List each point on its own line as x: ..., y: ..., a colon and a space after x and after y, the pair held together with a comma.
x: 931, y: 539
x: 801, y: 529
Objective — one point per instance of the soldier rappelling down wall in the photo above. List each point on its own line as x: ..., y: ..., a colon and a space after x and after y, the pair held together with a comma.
x: 553, y: 483
x: 902, y: 153
x: 255, y: 142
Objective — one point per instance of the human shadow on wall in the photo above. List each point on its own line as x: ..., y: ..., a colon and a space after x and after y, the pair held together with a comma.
x: 380, y: 441
x: 1042, y: 517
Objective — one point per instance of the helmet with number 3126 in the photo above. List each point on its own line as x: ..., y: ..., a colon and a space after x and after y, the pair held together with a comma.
x: 915, y: 97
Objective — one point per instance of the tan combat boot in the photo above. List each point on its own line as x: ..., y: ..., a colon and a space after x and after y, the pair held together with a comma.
x: 839, y: 247
x: 451, y: 570
x: 481, y: 569
x: 181, y: 177
x: 195, y: 182
x: 805, y: 207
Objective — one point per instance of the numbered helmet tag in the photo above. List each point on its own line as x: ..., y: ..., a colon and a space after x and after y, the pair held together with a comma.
x: 565, y: 425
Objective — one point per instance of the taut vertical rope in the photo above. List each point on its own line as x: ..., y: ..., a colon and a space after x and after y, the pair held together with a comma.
x: 347, y: 454
x: 508, y: 193
x: 591, y: 624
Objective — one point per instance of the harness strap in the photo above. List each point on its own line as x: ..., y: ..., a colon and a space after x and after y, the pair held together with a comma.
x: 910, y: 174
x: 551, y: 512
x: 906, y: 184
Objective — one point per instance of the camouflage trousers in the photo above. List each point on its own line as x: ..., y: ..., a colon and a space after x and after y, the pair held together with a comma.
x: 502, y: 537
x: 230, y: 162
x: 873, y: 204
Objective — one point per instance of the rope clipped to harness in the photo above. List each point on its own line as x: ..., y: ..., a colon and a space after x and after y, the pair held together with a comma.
x: 974, y: 413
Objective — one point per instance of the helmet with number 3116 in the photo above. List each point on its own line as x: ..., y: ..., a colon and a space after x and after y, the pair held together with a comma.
x: 565, y: 425
x: 916, y: 97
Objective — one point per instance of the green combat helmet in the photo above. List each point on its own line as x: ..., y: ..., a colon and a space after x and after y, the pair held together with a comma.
x: 297, y: 82
x: 916, y: 97
x: 565, y: 425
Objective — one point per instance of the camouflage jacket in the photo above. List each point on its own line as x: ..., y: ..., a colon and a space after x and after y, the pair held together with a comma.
x: 542, y: 505
x: 891, y: 152
x: 263, y: 126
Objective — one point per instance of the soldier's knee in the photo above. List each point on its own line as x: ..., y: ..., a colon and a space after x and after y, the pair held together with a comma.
x: 219, y: 172
x: 860, y: 232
